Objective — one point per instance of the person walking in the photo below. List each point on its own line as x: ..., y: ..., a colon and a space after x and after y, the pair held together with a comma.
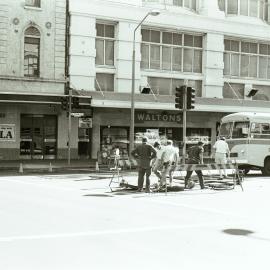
x: 221, y: 151
x: 157, y: 164
x: 144, y: 153
x: 175, y: 160
x: 195, y: 156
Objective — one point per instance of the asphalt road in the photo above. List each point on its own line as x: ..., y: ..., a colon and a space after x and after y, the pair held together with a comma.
x: 75, y: 222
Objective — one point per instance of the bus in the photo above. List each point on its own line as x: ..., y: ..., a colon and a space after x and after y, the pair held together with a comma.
x: 248, y: 137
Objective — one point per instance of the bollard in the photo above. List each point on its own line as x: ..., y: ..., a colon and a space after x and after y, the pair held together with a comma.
x: 21, y: 168
x: 97, y: 167
x: 50, y: 167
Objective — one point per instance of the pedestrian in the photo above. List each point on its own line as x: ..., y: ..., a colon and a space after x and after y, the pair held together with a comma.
x: 195, y: 156
x: 167, y: 158
x: 144, y: 153
x: 157, y: 164
x: 175, y: 160
x: 221, y: 151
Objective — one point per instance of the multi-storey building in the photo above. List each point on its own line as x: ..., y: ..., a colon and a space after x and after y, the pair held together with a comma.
x: 32, y: 78
x: 221, y: 48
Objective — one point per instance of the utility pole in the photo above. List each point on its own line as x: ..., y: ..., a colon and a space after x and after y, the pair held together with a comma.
x: 184, y: 123
x: 69, y: 122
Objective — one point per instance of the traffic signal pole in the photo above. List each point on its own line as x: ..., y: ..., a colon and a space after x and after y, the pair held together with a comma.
x: 184, y: 123
x: 69, y: 122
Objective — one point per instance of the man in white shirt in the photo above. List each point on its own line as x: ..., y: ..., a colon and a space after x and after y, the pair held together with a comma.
x: 221, y: 150
x: 167, y: 158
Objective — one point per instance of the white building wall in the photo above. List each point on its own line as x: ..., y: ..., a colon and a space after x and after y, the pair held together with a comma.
x: 209, y: 21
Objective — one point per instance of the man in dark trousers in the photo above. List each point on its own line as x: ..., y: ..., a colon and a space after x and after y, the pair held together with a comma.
x: 195, y: 156
x: 144, y: 153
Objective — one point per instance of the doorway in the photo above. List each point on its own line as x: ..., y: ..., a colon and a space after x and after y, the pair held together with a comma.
x: 38, y: 137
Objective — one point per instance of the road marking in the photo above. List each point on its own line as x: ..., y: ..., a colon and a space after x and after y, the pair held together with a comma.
x: 107, y: 232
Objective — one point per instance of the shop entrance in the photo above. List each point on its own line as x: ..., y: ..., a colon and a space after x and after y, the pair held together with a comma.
x: 38, y: 137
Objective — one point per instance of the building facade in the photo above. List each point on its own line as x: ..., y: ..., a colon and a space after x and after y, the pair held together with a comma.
x: 220, y: 48
x: 32, y: 77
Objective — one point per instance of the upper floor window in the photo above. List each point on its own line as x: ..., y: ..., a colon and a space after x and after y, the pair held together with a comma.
x: 31, y: 52
x: 191, y: 4
x: 171, y: 51
x: 252, y: 8
x: 247, y: 59
x: 166, y: 86
x: 104, y: 82
x: 105, y: 44
x: 32, y: 3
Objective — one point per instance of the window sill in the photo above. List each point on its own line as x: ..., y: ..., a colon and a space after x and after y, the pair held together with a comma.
x: 33, y: 8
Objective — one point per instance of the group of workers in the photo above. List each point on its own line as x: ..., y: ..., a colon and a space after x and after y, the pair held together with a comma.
x: 163, y: 161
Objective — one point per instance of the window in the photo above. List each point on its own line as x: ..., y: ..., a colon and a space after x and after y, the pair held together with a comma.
x: 252, y: 8
x: 191, y: 4
x: 31, y: 52
x: 247, y: 59
x: 32, y: 3
x: 263, y: 93
x: 240, y: 130
x: 166, y: 86
x: 233, y: 90
x: 171, y: 51
x: 104, y: 82
x: 225, y: 130
x: 105, y: 44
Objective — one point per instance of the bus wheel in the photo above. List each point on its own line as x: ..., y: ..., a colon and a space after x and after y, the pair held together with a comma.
x: 266, y: 168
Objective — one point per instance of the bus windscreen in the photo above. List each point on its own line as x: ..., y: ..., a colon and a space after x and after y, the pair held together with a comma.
x: 225, y: 130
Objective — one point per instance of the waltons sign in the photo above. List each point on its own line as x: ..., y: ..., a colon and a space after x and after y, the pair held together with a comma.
x: 142, y: 116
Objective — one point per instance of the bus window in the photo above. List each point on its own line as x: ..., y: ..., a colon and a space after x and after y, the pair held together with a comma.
x: 255, y: 128
x: 225, y: 130
x: 240, y: 130
x: 265, y: 128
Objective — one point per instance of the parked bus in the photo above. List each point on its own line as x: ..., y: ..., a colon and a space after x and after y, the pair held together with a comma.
x: 248, y: 137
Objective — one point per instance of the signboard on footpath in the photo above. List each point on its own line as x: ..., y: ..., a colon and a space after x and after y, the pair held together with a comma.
x: 85, y: 122
x: 7, y: 132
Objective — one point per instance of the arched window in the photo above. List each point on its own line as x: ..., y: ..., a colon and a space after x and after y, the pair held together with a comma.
x: 31, y: 52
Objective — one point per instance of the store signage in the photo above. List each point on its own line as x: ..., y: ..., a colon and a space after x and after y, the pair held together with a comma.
x: 85, y: 122
x: 143, y: 116
x: 7, y: 132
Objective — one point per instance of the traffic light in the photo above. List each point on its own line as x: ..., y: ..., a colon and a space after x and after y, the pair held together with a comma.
x: 190, y: 98
x: 75, y: 102
x: 64, y: 103
x: 179, y: 97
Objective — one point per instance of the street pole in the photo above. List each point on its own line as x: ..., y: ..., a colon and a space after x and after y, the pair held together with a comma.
x: 132, y: 109
x: 69, y: 122
x: 184, y: 124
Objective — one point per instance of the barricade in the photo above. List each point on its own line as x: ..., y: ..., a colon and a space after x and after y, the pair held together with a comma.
x: 237, y: 175
x: 48, y: 167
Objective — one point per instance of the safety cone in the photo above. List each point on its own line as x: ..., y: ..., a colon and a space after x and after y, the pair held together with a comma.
x: 50, y: 167
x: 21, y: 168
x: 97, y: 167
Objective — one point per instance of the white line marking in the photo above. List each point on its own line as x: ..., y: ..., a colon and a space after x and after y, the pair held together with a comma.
x: 106, y: 232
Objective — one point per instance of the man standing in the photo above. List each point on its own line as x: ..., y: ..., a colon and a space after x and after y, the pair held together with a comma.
x: 157, y: 167
x: 221, y: 150
x: 144, y: 153
x: 167, y: 157
x: 195, y: 156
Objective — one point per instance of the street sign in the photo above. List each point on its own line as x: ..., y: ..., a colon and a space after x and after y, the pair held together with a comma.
x: 77, y: 114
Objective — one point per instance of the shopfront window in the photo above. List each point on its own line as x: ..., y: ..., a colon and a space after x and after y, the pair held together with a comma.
x: 38, y: 138
x: 112, y: 137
